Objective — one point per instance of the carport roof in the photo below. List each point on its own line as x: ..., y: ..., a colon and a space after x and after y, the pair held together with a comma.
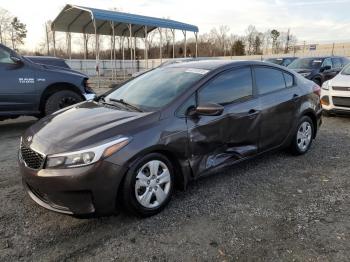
x: 79, y: 19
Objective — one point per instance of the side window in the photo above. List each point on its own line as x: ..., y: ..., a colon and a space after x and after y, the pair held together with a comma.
x: 181, y: 112
x: 289, y: 79
x: 337, y: 63
x: 5, y: 57
x: 327, y: 62
x: 268, y: 80
x: 287, y: 62
x: 228, y: 87
x: 345, y: 61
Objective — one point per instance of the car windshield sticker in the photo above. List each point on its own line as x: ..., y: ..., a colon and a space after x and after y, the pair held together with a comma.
x: 197, y: 71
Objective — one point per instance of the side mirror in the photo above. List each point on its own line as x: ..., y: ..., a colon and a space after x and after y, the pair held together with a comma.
x: 209, y: 109
x: 325, y: 68
x: 17, y: 60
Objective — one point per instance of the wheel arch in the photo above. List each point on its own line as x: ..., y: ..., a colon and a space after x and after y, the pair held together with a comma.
x: 55, y: 87
x: 313, y: 117
x: 182, y: 169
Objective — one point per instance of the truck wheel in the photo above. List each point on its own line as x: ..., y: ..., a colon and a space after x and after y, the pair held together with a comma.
x: 61, y: 99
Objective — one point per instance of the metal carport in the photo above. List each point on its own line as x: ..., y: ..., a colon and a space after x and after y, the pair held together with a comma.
x: 78, y: 19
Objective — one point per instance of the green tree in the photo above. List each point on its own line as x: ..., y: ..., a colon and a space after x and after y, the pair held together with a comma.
x: 238, y: 48
x: 18, y: 33
x: 274, y: 35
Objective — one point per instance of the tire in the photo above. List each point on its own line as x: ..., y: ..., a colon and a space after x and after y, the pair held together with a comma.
x: 61, y: 99
x: 144, y: 192
x: 303, y: 137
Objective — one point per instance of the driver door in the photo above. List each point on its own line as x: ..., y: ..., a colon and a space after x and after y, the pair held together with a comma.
x: 216, y: 141
x: 17, y: 85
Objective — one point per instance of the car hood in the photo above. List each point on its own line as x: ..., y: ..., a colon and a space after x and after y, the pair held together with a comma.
x: 62, y: 70
x: 84, y: 125
x: 340, y: 80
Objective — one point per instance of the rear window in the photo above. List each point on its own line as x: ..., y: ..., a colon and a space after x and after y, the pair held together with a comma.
x: 268, y: 80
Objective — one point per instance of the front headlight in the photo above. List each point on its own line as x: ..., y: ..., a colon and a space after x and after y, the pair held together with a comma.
x: 326, y: 85
x: 87, y: 156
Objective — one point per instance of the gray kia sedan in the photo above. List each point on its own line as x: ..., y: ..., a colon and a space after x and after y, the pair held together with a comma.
x: 135, y: 144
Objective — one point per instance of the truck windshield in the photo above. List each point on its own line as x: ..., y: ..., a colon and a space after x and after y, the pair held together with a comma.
x: 346, y: 70
x: 306, y: 63
x: 157, y: 88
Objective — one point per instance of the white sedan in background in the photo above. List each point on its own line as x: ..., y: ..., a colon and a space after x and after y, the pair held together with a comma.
x: 335, y: 93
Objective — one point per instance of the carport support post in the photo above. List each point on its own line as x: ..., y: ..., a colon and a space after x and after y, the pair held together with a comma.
x: 113, y: 50
x: 173, y: 32
x: 185, y: 51
x: 196, y: 36
x: 123, y: 51
x: 134, y: 47
x: 54, y: 41
x: 69, y: 44
x: 146, y: 47
x: 131, y: 52
x: 160, y: 45
x: 97, y: 54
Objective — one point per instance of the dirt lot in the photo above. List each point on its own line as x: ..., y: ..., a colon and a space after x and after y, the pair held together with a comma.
x: 277, y: 207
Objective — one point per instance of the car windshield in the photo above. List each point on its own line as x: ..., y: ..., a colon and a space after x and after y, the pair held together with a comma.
x: 278, y: 61
x: 155, y: 89
x: 346, y: 70
x: 306, y: 63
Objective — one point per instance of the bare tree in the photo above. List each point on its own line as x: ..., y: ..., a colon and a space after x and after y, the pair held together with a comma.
x: 5, y: 25
x: 220, y: 38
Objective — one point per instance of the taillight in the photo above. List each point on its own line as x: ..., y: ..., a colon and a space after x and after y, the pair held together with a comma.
x: 316, y: 89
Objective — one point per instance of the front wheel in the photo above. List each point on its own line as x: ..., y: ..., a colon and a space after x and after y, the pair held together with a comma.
x: 61, y: 99
x: 302, y: 139
x: 148, y: 185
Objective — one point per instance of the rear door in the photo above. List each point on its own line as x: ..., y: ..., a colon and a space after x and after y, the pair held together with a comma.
x: 218, y: 140
x: 17, y: 85
x: 278, y: 100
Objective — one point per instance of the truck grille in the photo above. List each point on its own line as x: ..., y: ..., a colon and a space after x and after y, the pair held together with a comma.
x: 341, y: 101
x: 31, y: 158
x: 341, y: 88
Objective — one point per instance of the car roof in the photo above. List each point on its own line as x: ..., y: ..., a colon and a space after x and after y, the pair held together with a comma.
x: 215, y: 64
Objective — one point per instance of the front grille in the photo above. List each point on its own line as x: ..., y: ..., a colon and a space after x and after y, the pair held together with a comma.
x: 341, y: 88
x: 31, y: 158
x: 341, y: 101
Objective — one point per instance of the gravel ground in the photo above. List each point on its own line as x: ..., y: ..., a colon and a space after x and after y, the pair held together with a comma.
x: 273, y: 208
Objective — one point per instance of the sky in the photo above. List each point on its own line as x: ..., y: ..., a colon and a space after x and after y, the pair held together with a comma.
x: 310, y: 20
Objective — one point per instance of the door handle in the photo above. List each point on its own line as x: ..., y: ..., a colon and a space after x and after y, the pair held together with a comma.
x: 295, y: 97
x: 252, y: 113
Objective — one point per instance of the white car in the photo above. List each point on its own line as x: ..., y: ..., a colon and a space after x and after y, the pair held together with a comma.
x: 335, y: 93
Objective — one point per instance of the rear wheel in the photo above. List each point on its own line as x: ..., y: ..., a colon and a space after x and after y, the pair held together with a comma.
x: 61, y: 99
x: 302, y: 139
x: 148, y: 185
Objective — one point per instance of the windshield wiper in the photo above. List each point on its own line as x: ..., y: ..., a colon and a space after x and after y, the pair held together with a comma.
x: 121, y: 101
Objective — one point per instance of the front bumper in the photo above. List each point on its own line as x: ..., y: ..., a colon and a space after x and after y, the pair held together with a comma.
x: 330, y: 101
x: 79, y: 191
